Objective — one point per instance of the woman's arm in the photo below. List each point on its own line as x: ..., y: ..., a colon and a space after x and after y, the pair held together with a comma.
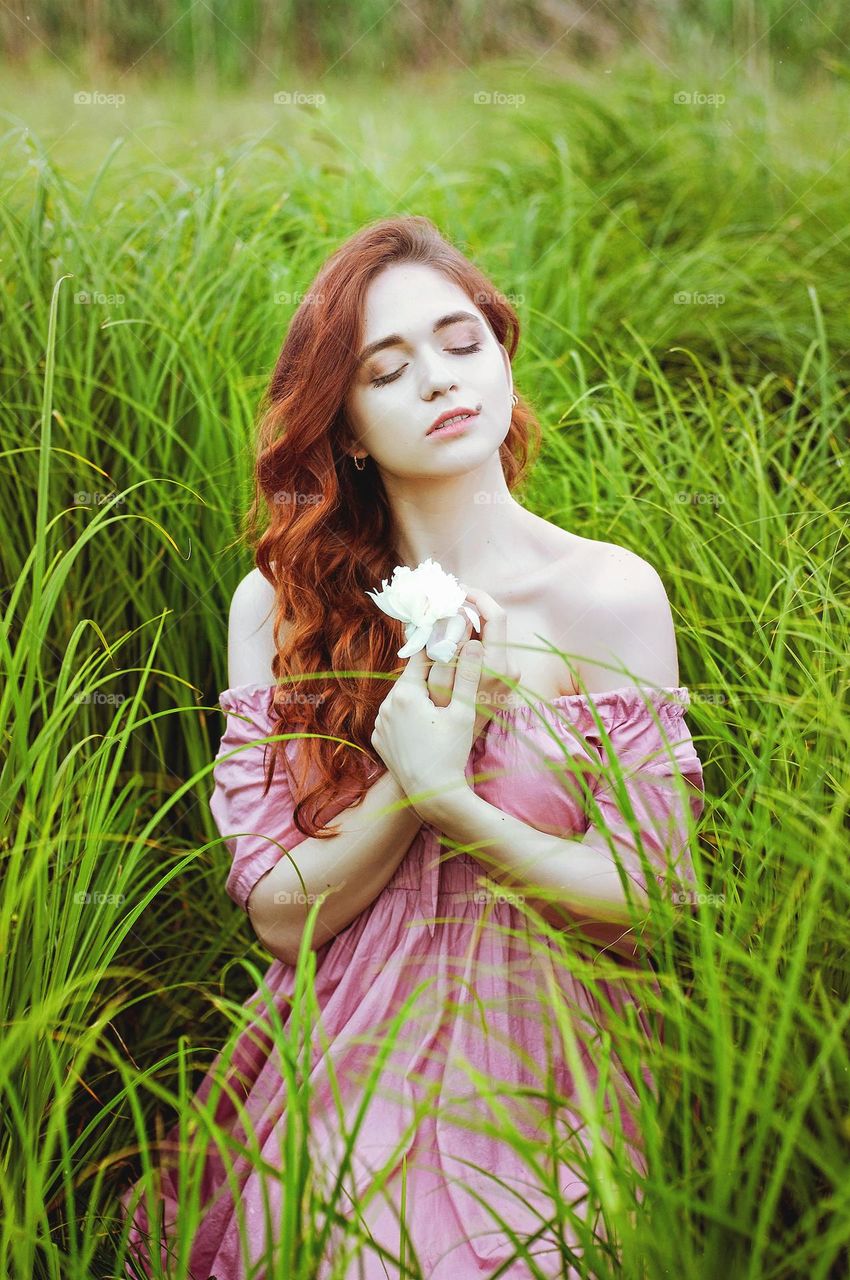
x: 580, y: 883
x: 352, y: 867
x: 628, y: 617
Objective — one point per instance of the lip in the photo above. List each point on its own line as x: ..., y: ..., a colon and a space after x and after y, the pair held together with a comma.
x: 452, y: 413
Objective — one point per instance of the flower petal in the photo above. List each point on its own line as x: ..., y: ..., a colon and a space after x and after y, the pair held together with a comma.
x: 386, y: 606
x: 415, y: 641
x: 442, y: 651
x: 473, y: 615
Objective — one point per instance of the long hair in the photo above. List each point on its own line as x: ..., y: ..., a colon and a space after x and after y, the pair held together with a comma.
x: 327, y: 534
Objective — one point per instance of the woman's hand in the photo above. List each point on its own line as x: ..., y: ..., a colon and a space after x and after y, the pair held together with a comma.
x: 426, y: 748
x: 492, y: 692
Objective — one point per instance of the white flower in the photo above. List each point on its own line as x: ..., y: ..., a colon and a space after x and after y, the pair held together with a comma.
x: 430, y: 603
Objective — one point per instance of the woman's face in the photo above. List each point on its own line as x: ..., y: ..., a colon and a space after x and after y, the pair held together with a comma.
x: 429, y: 367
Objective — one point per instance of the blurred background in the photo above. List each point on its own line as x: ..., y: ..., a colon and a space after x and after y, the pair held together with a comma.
x: 238, y: 43
x: 660, y: 188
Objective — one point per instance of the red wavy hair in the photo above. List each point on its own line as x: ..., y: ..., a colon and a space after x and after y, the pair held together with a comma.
x: 327, y: 535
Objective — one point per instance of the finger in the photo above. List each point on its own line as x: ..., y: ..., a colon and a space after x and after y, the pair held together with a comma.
x: 440, y: 683
x: 484, y: 603
x: 494, y: 631
x: 467, y: 675
x: 442, y: 672
x: 415, y: 669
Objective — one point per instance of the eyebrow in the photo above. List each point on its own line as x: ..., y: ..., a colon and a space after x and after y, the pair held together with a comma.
x: 396, y: 339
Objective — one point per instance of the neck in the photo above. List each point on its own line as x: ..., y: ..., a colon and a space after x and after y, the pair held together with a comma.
x: 467, y: 523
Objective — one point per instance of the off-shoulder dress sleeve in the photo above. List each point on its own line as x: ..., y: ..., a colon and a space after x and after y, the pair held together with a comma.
x: 643, y: 734
x: 258, y: 829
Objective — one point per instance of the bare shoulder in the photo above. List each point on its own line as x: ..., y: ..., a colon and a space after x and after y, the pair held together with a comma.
x: 250, y: 638
x: 625, y: 620
x: 612, y: 568
x: 575, y: 559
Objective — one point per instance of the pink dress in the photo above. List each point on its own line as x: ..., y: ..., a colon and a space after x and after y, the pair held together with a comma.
x: 482, y: 1018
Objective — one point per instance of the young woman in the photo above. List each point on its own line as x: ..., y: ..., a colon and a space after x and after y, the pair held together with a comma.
x: 399, y: 333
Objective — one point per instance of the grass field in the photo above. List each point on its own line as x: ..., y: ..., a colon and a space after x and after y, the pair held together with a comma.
x: 680, y: 269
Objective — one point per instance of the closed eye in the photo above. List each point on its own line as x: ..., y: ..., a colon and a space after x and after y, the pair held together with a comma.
x: 458, y: 351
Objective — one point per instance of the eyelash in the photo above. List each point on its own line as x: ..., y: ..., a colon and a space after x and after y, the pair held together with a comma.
x: 391, y: 377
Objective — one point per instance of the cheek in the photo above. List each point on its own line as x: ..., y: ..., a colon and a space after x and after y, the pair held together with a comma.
x: 360, y: 414
x: 382, y: 419
x: 497, y: 378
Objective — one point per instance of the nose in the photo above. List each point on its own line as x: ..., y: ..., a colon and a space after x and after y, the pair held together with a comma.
x: 436, y: 375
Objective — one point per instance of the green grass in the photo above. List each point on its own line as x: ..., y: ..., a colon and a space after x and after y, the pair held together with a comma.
x: 710, y: 437
x: 232, y: 42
